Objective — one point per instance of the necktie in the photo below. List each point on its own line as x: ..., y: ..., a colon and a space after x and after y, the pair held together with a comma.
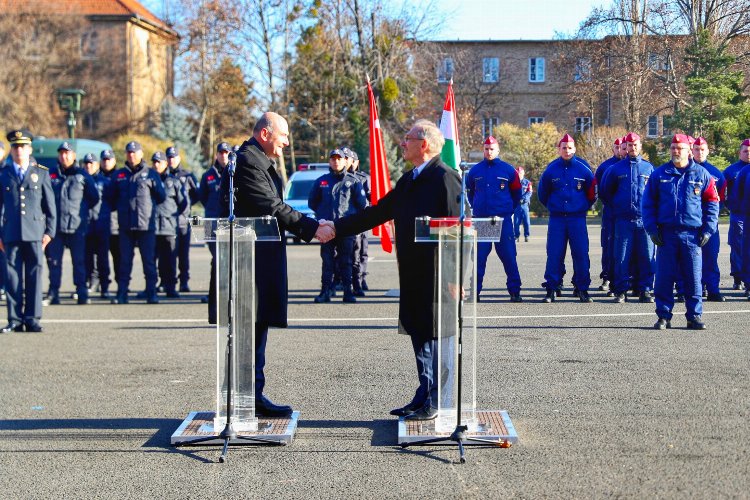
x: 415, y: 173
x: 21, y: 174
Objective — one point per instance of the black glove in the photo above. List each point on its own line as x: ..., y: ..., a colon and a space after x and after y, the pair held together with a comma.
x: 656, y: 238
x: 704, y: 239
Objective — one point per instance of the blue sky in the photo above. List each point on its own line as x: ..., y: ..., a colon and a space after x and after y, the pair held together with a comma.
x: 494, y: 19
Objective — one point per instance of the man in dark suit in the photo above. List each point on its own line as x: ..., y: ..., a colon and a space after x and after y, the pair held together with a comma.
x: 431, y: 189
x: 258, y: 193
x: 28, y: 215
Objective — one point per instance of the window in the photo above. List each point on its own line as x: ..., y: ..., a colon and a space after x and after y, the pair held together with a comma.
x: 536, y: 69
x: 535, y: 119
x: 490, y: 69
x: 653, y: 61
x: 89, y: 44
x: 488, y: 125
x: 583, y: 71
x: 652, y: 126
x: 445, y: 70
x: 583, y: 124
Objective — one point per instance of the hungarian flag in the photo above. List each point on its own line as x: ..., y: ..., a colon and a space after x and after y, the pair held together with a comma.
x: 451, y: 153
x: 379, y: 175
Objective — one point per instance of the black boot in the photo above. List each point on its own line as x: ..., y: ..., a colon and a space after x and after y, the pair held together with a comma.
x: 349, y: 297
x: 696, y: 324
x: 550, y: 296
x: 583, y: 296
x: 646, y: 297
x: 323, y: 296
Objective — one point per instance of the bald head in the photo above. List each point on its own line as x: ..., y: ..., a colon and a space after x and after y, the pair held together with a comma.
x: 272, y: 133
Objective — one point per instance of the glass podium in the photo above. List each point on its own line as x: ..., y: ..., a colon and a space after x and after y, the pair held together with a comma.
x: 456, y: 267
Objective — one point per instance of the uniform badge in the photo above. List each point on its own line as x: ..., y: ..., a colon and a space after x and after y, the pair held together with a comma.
x: 502, y: 185
x: 348, y: 184
x: 34, y: 177
x: 579, y: 186
x: 697, y: 191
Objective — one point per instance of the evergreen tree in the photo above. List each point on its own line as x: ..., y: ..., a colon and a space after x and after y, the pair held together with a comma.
x: 716, y: 107
x: 175, y: 128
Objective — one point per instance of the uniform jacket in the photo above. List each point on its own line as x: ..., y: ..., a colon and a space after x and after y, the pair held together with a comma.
x: 623, y: 185
x: 209, y: 191
x: 335, y: 195
x: 258, y: 192
x: 680, y: 199
x: 190, y: 188
x: 527, y: 189
x: 598, y: 177
x: 169, y: 210
x: 493, y: 188
x: 27, y: 209
x: 742, y: 184
x: 435, y: 193
x: 75, y: 194
x: 136, y: 193
x: 364, y: 179
x: 719, y: 180
x: 567, y: 187
x: 733, y: 199
x: 114, y: 224
x: 100, y: 215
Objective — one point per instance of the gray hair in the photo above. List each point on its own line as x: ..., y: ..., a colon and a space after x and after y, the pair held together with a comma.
x: 427, y: 130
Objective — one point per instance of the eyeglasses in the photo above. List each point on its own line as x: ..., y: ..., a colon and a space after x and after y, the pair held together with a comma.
x: 407, y: 138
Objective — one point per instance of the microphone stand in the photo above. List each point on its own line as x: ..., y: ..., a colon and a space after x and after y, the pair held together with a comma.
x: 458, y: 435
x: 229, y: 433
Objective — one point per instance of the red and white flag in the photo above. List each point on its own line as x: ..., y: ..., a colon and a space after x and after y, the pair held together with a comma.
x: 379, y: 175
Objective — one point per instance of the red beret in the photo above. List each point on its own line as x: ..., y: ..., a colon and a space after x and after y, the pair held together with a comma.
x: 680, y: 139
x: 566, y: 138
x: 691, y: 139
x: 700, y: 141
x: 618, y: 141
x: 632, y: 137
x: 746, y: 142
x: 490, y: 140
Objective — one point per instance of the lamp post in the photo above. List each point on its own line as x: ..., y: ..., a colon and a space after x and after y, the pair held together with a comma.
x: 70, y: 100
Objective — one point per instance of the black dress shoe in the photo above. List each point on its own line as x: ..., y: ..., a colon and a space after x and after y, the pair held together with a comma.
x: 33, y: 327
x: 620, y: 298
x: 516, y: 297
x: 184, y: 289
x: 264, y: 407
x: 696, y: 324
x: 12, y: 327
x: 583, y: 296
x: 406, y: 410
x: 427, y: 412
x: 662, y: 324
x: 680, y: 298
x: 716, y: 297
x: 204, y: 299
x: 550, y: 296
x: 646, y: 297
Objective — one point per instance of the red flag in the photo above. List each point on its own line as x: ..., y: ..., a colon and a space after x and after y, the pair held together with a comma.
x: 379, y: 175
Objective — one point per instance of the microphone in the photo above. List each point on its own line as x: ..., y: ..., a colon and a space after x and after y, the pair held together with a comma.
x: 232, y: 163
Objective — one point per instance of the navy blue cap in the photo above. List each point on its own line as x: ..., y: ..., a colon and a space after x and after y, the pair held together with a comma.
x: 157, y: 156
x: 20, y: 136
x: 336, y: 152
x: 65, y: 146
x: 354, y: 154
x: 223, y: 147
x: 236, y: 148
x: 107, y: 154
x: 172, y: 152
x: 89, y: 158
x: 347, y: 152
x: 132, y: 147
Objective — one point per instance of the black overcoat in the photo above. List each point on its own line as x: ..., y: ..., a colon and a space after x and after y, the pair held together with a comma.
x: 258, y: 192
x: 435, y: 193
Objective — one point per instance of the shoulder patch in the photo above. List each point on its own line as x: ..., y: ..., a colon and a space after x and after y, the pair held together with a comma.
x: 39, y: 165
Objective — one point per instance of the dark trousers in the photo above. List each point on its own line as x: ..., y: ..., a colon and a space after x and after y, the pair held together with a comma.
x: 678, y: 258
x: 736, y: 231
x: 3, y: 263
x: 506, y: 250
x: 608, y: 244
x: 166, y: 253
x: 183, y: 253
x: 97, y: 259
x: 23, y: 281
x: 146, y: 242
x: 710, y: 258
x: 521, y: 216
x: 425, y: 354
x: 359, y: 260
x: 212, y: 316
x: 114, y: 249
x: 337, y: 254
x: 76, y: 243
x: 562, y: 230
x: 634, y: 259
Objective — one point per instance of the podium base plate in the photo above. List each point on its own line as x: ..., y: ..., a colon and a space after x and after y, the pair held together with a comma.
x: 200, y: 424
x: 493, y: 425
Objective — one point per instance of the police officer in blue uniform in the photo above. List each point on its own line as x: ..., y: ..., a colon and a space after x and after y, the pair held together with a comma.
x: 680, y: 213
x: 75, y: 194
x: 736, y: 212
x: 136, y: 191
x: 3, y: 163
x: 622, y: 190
x: 567, y: 189
x: 108, y: 166
x: 743, y: 195
x: 494, y: 189
x: 190, y: 187
x: 97, y: 238
x: 334, y: 195
x: 361, y: 245
x: 209, y: 193
x: 29, y: 220
x: 710, y: 251
x: 168, y: 213
x: 521, y: 214
x: 607, y: 232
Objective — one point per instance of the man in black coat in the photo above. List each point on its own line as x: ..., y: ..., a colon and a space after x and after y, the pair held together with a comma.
x: 258, y: 193
x: 432, y: 189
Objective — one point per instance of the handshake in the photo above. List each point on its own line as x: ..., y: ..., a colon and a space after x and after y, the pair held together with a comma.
x: 326, y: 231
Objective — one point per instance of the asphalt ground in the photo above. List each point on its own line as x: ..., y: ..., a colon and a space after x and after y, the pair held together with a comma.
x: 604, y: 406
